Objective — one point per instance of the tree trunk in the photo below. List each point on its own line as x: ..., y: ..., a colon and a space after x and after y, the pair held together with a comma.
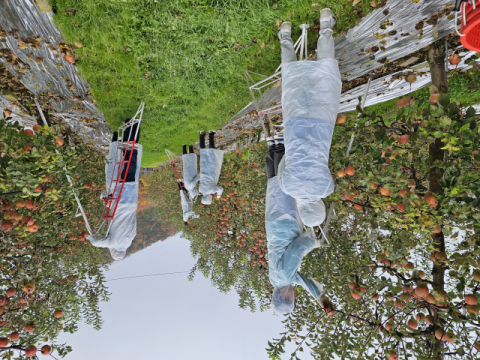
x: 436, y: 61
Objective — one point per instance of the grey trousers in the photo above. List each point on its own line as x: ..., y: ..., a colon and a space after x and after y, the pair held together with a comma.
x: 325, y: 47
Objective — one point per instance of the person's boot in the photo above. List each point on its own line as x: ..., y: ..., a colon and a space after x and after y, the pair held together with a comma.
x: 327, y: 19
x: 284, y: 29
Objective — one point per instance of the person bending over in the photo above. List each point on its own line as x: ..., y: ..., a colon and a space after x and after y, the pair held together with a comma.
x: 287, y: 246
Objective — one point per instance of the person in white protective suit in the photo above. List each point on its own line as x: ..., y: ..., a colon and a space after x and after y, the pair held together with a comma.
x: 187, y: 203
x: 210, y: 166
x: 310, y: 100
x: 286, y: 244
x: 190, y: 180
x: 124, y: 225
x: 190, y: 173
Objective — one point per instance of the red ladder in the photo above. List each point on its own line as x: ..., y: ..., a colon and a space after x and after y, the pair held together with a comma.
x: 112, y: 201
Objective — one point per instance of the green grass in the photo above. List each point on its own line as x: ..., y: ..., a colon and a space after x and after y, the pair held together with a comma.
x: 194, y: 53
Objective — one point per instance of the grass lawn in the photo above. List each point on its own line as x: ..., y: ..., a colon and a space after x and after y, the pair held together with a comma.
x: 183, y: 58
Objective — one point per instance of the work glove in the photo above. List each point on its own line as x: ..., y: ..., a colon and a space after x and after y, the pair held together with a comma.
x: 104, y: 194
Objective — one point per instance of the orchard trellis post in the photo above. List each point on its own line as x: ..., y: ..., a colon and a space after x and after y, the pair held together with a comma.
x: 261, y: 101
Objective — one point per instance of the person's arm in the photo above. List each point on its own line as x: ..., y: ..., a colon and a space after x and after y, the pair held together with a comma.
x: 294, y: 253
x: 187, y: 203
x: 218, y: 190
x: 314, y: 288
x: 101, y: 241
x: 218, y: 163
x: 196, y: 179
x: 139, y: 148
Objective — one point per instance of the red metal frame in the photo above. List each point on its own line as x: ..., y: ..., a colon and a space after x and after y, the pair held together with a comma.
x: 179, y: 178
x: 471, y: 25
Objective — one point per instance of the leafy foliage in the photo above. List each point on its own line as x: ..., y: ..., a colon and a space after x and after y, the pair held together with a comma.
x: 228, y: 240
x: 403, y: 259
x: 46, y: 262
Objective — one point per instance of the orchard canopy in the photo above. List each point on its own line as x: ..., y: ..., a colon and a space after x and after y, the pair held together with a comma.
x: 402, y: 272
x: 401, y: 267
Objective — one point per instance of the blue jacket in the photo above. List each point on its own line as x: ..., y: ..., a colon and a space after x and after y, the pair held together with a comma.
x: 286, y: 244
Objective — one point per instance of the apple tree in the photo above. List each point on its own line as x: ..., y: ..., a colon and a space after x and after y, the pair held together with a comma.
x: 401, y: 275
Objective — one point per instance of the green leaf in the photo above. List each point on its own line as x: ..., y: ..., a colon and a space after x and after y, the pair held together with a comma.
x: 444, y: 100
x: 445, y: 120
x: 436, y: 111
x: 470, y: 112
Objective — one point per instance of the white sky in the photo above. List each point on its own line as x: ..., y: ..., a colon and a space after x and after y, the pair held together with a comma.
x: 169, y: 317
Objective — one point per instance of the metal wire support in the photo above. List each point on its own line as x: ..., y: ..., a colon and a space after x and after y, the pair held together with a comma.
x: 460, y: 7
x: 303, y: 41
x: 80, y: 207
x: 258, y: 89
x: 331, y: 211
x: 178, y: 174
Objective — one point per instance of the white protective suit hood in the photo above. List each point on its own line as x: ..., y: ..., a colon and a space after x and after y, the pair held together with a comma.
x: 117, y: 254
x: 283, y: 299
x: 311, y: 213
x: 310, y: 99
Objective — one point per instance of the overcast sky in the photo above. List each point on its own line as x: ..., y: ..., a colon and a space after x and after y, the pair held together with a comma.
x: 169, y: 317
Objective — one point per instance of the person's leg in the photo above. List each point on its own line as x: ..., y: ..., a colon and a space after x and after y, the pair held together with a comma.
x: 190, y: 149
x: 286, y: 43
x: 270, y: 160
x: 132, y: 169
x: 184, y: 149
x: 211, y: 139
x: 115, y: 136
x: 130, y: 132
x: 202, y: 140
x: 279, y: 152
x: 325, y: 44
